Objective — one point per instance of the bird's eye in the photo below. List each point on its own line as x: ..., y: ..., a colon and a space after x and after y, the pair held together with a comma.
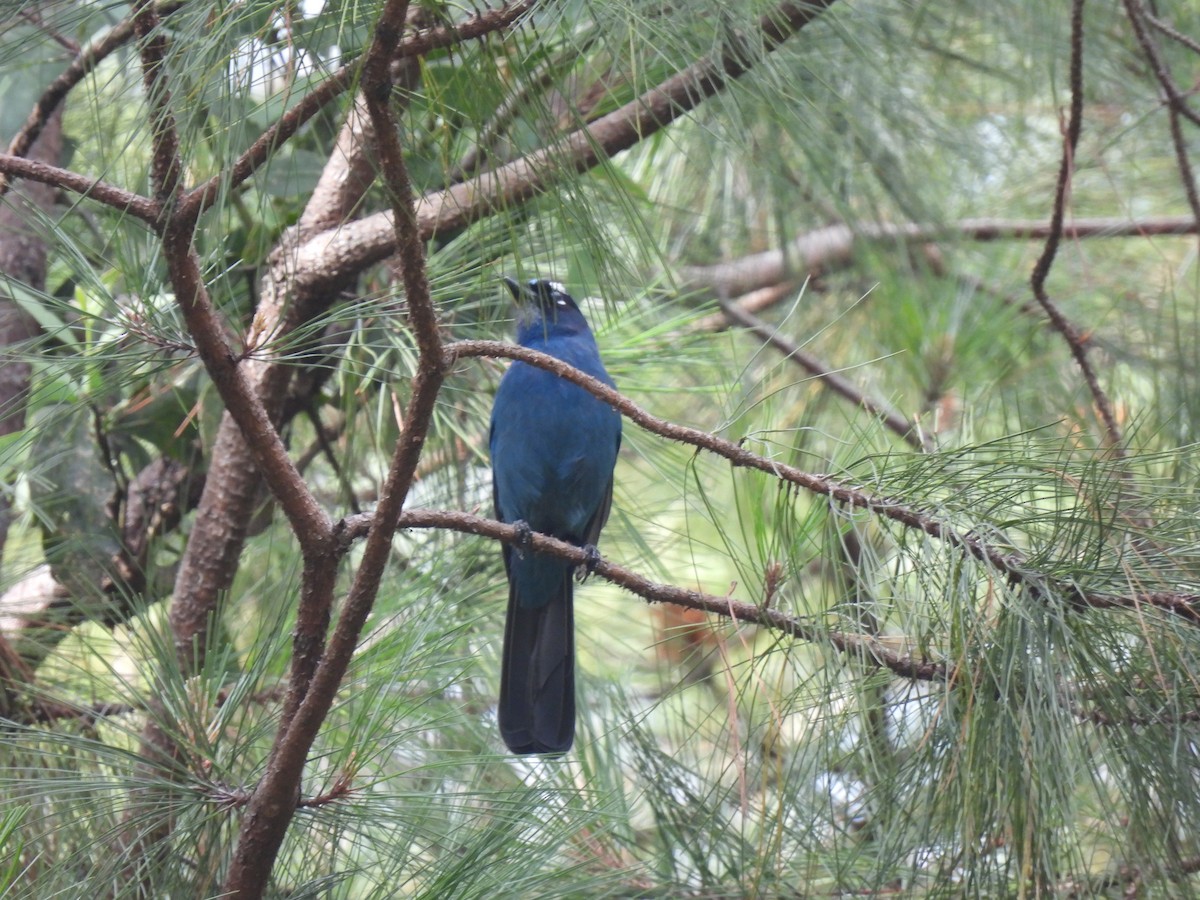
x: 560, y: 302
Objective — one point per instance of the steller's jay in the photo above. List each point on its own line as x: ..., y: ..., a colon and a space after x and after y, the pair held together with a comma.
x: 553, y: 448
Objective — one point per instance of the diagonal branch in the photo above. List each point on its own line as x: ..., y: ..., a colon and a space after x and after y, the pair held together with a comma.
x: 480, y: 25
x: 308, y: 520
x: 1177, y: 106
x: 110, y: 195
x: 1009, y: 565
x: 833, y: 380
x: 851, y: 644
x: 355, y: 246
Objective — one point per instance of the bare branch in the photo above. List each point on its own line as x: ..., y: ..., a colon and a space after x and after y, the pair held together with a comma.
x: 272, y: 805
x: 864, y: 647
x: 208, y: 565
x: 308, y: 520
x: 823, y: 249
x: 1177, y: 106
x: 1041, y: 269
x: 1171, y: 31
x: 85, y: 62
x: 119, y: 199
x: 752, y: 302
x: 1009, y: 565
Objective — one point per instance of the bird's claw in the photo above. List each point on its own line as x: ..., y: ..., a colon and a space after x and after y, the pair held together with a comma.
x: 589, y: 565
x: 524, y: 533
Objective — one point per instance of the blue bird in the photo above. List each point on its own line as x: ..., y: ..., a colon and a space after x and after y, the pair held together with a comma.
x: 553, y: 447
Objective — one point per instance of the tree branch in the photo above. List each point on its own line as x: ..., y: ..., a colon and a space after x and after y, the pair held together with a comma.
x: 1009, y: 565
x: 208, y: 565
x: 85, y: 62
x: 352, y: 247
x: 119, y: 199
x: 273, y: 802
x: 1070, y: 334
x: 480, y: 25
x: 891, y: 418
x: 862, y: 646
x: 833, y: 246
x: 308, y: 519
x: 1177, y: 106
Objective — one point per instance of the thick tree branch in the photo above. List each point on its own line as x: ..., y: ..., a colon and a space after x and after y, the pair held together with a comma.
x: 355, y: 246
x: 272, y: 804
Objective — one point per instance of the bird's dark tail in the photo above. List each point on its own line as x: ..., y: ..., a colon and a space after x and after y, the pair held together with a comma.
x: 537, y: 676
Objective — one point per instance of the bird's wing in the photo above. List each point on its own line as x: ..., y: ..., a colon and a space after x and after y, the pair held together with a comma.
x: 591, y: 534
x: 505, y: 549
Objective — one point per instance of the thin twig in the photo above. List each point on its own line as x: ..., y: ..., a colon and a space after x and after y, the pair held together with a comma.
x: 752, y: 302
x: 1136, y: 10
x: 1177, y: 106
x: 34, y: 18
x: 1171, y: 31
x: 1041, y: 269
x: 833, y: 380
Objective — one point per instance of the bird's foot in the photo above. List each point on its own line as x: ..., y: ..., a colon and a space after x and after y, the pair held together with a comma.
x: 524, y: 535
x: 589, y: 565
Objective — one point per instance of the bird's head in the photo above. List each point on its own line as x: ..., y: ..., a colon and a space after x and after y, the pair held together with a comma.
x: 544, y: 307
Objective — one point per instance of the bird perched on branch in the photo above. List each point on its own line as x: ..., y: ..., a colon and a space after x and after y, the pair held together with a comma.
x: 553, y: 448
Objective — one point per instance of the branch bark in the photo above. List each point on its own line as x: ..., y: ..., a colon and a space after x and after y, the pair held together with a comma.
x: 1010, y: 566
x: 273, y: 801
x: 822, y: 249
x: 348, y: 250
x: 49, y: 104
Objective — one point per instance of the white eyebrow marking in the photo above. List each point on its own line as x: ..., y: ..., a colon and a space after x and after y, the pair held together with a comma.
x: 556, y: 286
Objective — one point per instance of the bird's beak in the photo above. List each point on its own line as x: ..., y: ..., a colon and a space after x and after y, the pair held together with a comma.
x: 514, y: 286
